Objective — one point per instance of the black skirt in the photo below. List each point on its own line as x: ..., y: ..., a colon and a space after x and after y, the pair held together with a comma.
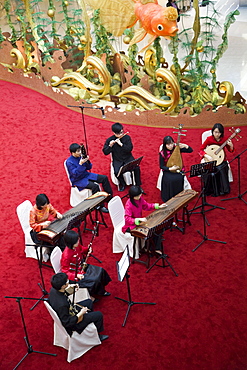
x: 95, y: 279
x: 217, y: 183
x: 172, y: 184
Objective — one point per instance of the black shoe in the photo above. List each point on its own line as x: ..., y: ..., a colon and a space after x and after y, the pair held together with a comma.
x: 103, y: 337
x: 121, y: 187
x: 104, y: 210
x: 106, y: 294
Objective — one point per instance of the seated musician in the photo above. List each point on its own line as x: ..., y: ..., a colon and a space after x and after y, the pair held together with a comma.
x: 120, y: 146
x: 133, y: 211
x: 94, y: 278
x: 72, y: 317
x: 217, y: 183
x: 38, y: 219
x: 80, y: 176
x: 172, y: 183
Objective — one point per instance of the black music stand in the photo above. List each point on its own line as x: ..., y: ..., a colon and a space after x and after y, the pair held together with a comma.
x: 122, y: 270
x: 29, y: 346
x: 240, y: 195
x: 200, y: 170
x: 130, y: 167
x: 163, y: 257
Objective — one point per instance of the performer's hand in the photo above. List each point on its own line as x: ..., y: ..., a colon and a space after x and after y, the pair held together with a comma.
x: 83, y: 160
x: 181, y: 146
x: 208, y: 157
x: 173, y: 168
x: 80, y: 276
x: 119, y: 142
x: 59, y: 215
x: 229, y: 142
x: 143, y: 219
x: 163, y: 205
x: 111, y: 143
x: 46, y: 223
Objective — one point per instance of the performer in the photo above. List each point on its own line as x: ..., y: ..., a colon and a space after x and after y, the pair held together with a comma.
x: 94, y: 278
x: 72, y: 317
x: 80, y: 176
x: 121, y: 147
x: 133, y: 211
x: 217, y: 183
x: 38, y: 218
x: 172, y: 183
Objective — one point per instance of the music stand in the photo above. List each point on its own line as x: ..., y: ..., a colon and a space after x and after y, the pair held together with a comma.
x: 163, y: 257
x: 201, y: 169
x: 122, y: 270
x: 130, y: 167
x: 240, y: 195
x: 29, y: 346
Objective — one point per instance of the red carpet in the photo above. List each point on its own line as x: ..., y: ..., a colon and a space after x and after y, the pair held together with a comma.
x: 199, y: 320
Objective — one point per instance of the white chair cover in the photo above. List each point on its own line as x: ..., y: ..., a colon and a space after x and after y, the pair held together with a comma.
x: 76, y: 196
x: 55, y: 258
x: 77, y: 344
x: 23, y: 211
x: 126, y: 176
x: 120, y: 240
x: 186, y: 181
x: 208, y: 133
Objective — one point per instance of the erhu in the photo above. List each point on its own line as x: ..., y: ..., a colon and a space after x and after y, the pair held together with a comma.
x: 95, y: 233
x: 176, y: 158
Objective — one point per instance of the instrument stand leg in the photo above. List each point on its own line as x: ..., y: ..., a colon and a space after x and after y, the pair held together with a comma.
x: 239, y: 196
x: 42, y: 285
x: 164, y: 258
x: 29, y: 346
x: 204, y: 236
x: 138, y: 260
x: 129, y: 301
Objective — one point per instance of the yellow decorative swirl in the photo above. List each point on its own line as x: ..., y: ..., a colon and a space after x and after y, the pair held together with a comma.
x: 142, y: 96
x: 228, y: 88
x: 76, y: 79
x: 150, y: 61
x: 20, y: 60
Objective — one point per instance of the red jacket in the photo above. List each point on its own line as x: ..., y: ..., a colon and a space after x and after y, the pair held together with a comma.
x: 70, y: 258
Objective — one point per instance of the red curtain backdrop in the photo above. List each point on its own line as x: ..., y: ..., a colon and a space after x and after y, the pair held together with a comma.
x: 199, y: 320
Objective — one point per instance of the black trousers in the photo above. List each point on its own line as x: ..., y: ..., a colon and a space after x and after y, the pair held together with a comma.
x: 101, y: 179
x: 95, y: 317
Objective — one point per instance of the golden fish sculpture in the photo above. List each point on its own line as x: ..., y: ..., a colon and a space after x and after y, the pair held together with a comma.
x: 117, y: 15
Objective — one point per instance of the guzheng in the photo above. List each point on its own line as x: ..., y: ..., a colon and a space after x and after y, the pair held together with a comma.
x: 157, y: 219
x: 78, y: 213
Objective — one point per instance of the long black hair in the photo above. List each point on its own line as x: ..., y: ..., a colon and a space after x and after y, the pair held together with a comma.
x: 220, y: 127
x: 166, y: 140
x: 134, y: 191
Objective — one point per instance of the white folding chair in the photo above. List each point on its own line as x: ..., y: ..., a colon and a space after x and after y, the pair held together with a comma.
x: 23, y: 212
x: 208, y: 133
x: 120, y: 240
x: 55, y: 258
x: 77, y: 344
x: 76, y: 195
x: 186, y: 181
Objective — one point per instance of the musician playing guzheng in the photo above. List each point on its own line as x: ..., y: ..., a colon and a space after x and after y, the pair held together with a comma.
x: 94, y: 278
x: 80, y: 175
x: 120, y: 146
x: 39, y: 218
x: 172, y: 182
x: 217, y: 183
x: 133, y: 210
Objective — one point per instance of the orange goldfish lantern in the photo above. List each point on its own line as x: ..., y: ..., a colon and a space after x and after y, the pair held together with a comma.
x: 154, y: 20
